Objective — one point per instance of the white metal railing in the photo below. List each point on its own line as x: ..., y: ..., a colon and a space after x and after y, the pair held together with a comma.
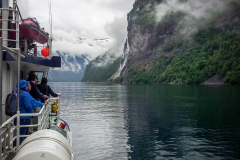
x: 8, y: 129
x: 5, y: 21
x: 15, y: 19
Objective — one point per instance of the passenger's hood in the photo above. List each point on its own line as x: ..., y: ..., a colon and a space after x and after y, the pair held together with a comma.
x: 23, y: 85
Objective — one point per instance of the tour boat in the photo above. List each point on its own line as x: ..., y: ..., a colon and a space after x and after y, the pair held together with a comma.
x: 51, y: 136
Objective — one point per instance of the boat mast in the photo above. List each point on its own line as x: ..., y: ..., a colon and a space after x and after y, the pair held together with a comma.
x: 50, y: 36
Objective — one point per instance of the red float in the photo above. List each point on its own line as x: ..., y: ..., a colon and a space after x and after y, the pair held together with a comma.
x: 45, y: 51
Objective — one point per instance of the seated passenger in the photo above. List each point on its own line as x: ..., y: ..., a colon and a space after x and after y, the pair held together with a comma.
x: 25, y: 107
x: 34, y: 90
x: 46, y: 89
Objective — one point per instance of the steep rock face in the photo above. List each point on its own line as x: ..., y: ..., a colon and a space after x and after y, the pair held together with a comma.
x: 147, y: 37
x: 143, y: 44
x: 123, y: 63
x: 183, y: 43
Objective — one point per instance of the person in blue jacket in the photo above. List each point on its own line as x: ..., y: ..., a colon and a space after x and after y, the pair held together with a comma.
x: 34, y: 102
x: 25, y: 107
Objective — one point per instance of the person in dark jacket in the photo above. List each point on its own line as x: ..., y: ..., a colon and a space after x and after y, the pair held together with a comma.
x: 34, y: 90
x: 30, y: 74
x: 25, y: 107
x: 46, y: 89
x: 34, y: 102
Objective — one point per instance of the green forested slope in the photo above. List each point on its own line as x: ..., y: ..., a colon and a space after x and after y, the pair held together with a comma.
x: 214, y: 52
x: 100, y: 73
x: 211, y: 48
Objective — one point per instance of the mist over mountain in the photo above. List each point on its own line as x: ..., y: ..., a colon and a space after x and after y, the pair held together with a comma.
x: 185, y: 41
x: 101, y: 68
x: 75, y: 55
x: 72, y: 69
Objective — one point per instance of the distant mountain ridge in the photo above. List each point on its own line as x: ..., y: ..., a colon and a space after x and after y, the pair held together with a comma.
x: 73, y: 64
x: 72, y: 68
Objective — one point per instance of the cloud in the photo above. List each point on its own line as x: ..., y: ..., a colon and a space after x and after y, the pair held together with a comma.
x: 196, y: 9
x: 106, y: 59
x: 117, y: 30
x: 87, y: 47
x: 197, y: 13
x: 86, y: 18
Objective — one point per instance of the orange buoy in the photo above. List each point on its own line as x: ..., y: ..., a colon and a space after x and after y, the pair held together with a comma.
x: 45, y: 51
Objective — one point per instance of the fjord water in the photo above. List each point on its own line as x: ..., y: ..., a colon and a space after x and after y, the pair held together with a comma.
x: 113, y: 121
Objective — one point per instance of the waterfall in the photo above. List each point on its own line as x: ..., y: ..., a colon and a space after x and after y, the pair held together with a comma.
x: 123, y: 60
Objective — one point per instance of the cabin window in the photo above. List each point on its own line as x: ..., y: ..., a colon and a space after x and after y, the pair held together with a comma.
x: 8, y: 67
x: 21, y: 75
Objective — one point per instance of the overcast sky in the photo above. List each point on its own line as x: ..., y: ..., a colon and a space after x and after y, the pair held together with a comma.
x: 93, y: 19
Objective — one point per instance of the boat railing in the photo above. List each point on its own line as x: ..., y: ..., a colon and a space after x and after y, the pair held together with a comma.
x: 4, y: 26
x: 8, y: 130
x: 16, y: 18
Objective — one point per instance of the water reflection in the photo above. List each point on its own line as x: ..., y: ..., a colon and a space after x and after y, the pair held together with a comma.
x: 112, y: 121
x: 97, y: 115
x: 186, y: 122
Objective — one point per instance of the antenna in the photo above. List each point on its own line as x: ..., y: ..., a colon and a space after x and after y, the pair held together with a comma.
x: 50, y: 22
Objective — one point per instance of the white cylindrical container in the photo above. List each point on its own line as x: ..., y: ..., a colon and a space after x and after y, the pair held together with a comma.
x: 45, y: 144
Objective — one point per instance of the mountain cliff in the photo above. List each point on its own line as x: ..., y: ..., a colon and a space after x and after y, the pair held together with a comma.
x: 183, y: 40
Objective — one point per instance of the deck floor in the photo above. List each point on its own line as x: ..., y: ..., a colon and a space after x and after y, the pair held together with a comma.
x: 10, y: 156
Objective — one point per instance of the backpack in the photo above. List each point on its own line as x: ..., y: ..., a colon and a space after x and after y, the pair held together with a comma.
x: 11, y: 104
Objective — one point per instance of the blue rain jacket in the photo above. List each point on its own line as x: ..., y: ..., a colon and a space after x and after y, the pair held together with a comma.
x: 25, y: 100
x: 34, y: 102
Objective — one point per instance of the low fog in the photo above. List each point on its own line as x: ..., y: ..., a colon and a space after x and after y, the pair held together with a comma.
x: 197, y: 13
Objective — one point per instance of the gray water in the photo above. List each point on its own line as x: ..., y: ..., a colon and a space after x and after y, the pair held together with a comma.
x: 113, y: 121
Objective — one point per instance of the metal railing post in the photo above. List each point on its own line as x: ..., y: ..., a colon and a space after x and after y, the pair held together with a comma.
x: 18, y: 129
x: 5, y: 4
x: 0, y: 146
x: 1, y: 80
x: 4, y: 143
x: 18, y: 80
x: 25, y: 47
x: 9, y: 137
x: 49, y: 119
x: 39, y: 122
x: 17, y: 28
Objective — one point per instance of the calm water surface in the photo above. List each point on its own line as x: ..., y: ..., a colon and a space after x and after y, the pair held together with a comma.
x: 148, y: 122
